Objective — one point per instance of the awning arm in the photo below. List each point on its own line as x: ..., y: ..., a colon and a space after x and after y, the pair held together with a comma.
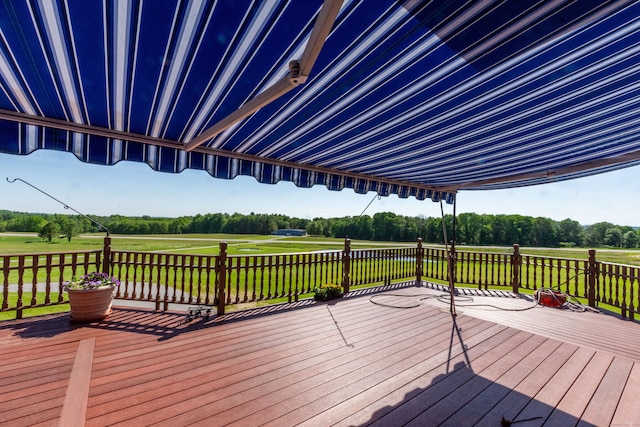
x: 274, y: 92
x: 558, y: 172
x: 298, y: 73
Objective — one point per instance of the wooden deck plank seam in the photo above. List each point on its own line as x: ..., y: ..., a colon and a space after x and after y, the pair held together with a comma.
x: 421, y: 376
x: 410, y: 355
x: 211, y: 356
x: 522, y: 394
x: 74, y: 408
x: 412, y: 393
x: 211, y: 392
x: 204, y: 335
x: 284, y: 359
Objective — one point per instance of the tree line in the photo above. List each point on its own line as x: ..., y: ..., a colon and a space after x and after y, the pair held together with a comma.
x: 471, y: 228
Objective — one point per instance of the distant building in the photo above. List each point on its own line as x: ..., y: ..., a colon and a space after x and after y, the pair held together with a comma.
x: 290, y: 232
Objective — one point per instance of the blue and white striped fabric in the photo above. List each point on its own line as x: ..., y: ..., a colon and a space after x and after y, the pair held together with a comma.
x: 414, y: 98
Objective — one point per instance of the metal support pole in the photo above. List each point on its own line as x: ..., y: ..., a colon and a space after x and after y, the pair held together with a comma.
x: 451, y: 258
x: 419, y: 262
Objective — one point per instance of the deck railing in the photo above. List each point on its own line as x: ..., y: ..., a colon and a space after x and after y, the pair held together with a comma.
x: 35, y: 280
x: 40, y: 277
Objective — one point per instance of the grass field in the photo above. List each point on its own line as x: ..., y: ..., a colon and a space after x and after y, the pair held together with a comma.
x: 208, y: 244
x: 8, y: 315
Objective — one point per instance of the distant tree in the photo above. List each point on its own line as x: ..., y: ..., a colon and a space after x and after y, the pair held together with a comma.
x: 314, y: 228
x: 630, y: 239
x: 427, y: 230
x: 526, y: 230
x: 209, y: 223
x: 501, y: 228
x: 179, y: 225
x: 383, y: 226
x: 594, y: 235
x: 472, y: 229
x: 544, y: 232
x: 569, y: 231
x: 49, y: 231
x: 266, y: 224
x: 158, y: 227
x: 69, y: 229
x: 613, y: 237
x: 410, y: 230
x: 470, y: 226
x: 26, y: 222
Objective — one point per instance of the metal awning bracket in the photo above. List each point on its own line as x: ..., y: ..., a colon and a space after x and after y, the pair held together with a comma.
x: 294, y: 74
x: 299, y: 71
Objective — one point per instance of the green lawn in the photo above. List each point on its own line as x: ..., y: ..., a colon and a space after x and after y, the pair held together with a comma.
x: 12, y: 243
x: 38, y: 311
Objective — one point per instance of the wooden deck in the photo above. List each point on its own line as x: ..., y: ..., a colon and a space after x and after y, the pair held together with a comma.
x: 347, y: 363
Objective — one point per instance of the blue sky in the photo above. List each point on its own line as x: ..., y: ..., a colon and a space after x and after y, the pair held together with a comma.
x: 134, y: 189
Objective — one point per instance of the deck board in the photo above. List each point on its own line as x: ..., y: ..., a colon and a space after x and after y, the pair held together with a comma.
x: 449, y: 406
x: 346, y: 363
x: 628, y: 408
x: 600, y: 409
x: 248, y: 392
x: 499, y: 387
x: 520, y: 396
x: 574, y: 402
x: 382, y: 398
x: 429, y: 388
x: 387, y: 369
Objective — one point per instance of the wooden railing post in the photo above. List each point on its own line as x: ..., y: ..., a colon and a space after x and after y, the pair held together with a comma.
x: 19, y: 302
x: 5, y: 281
x: 516, y: 264
x: 221, y: 269
x: 106, y: 255
x: 592, y: 272
x: 346, y: 265
x: 419, y: 262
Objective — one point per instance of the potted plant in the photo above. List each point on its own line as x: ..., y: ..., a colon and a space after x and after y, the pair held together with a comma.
x: 328, y: 291
x: 90, y: 296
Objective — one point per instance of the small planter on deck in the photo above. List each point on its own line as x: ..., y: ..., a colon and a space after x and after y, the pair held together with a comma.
x: 328, y: 291
x: 90, y: 296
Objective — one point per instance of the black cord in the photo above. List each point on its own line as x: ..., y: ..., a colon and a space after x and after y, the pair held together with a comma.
x: 443, y: 298
x: 570, y: 303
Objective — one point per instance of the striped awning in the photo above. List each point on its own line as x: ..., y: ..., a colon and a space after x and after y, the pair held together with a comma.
x: 415, y: 98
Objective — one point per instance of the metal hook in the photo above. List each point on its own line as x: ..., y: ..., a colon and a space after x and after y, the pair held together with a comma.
x: 62, y: 203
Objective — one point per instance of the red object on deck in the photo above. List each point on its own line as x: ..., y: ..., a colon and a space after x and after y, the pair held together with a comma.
x: 550, y: 298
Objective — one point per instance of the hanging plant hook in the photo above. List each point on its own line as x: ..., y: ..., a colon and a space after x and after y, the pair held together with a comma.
x: 11, y: 181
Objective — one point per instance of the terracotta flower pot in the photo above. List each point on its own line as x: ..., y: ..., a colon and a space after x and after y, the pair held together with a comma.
x: 90, y: 304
